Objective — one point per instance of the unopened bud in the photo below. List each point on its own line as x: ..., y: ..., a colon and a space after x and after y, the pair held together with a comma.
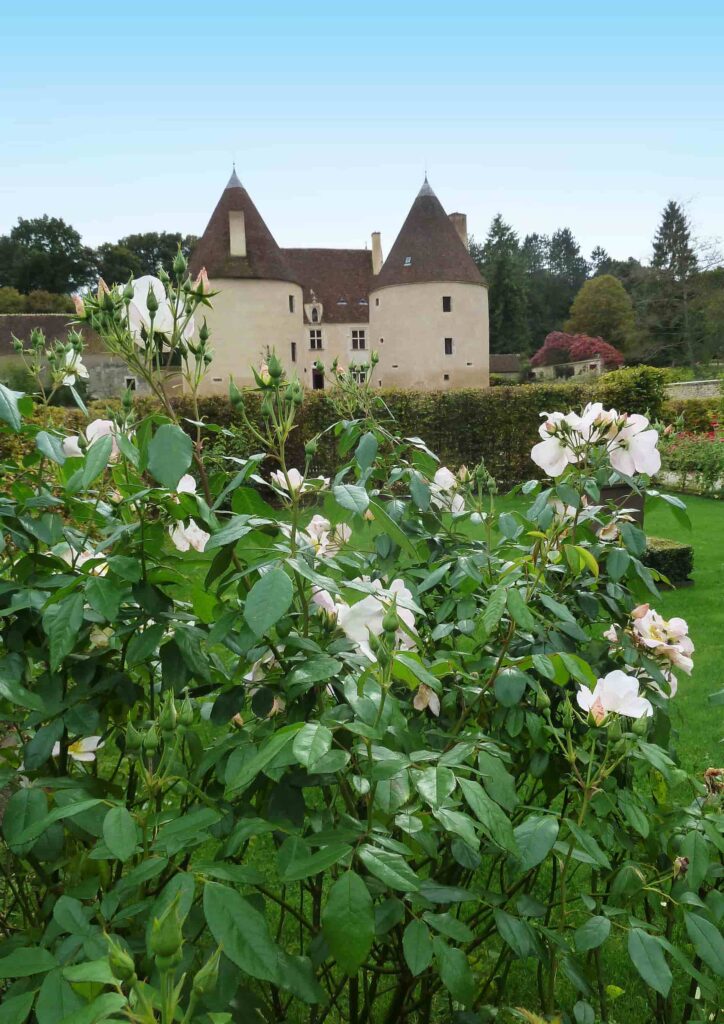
x: 614, y: 729
x: 206, y: 979
x: 640, y: 727
x: 128, y: 291
x: 167, y: 717
x: 310, y: 448
x: 204, y: 332
x: 235, y: 396
x: 134, y: 740
x: 150, y: 740
x: 542, y: 700
x: 151, y: 301
x: 166, y: 933
x: 275, y: 367
x: 186, y: 713
x: 120, y: 962
x: 390, y: 621
x: 284, y: 626
x: 567, y: 716
x: 179, y: 264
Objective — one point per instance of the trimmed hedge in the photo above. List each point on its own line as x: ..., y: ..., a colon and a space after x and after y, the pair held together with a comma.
x: 670, y: 557
x: 499, y: 425
x: 697, y: 414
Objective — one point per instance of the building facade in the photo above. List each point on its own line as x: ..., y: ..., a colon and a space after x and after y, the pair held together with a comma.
x: 424, y: 309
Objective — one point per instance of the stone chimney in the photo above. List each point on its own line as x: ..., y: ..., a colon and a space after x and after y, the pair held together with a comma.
x: 460, y: 222
x: 376, y: 252
x: 237, y: 233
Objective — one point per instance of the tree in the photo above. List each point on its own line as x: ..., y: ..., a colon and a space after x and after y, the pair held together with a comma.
x: 151, y: 248
x: 40, y: 301
x: 11, y: 301
x: 675, y: 263
x: 603, y: 308
x: 561, y: 346
x: 501, y: 264
x: 600, y: 260
x: 44, y: 253
x: 116, y: 263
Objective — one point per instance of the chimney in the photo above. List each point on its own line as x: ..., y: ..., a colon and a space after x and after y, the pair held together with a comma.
x: 460, y: 222
x: 376, y: 252
x: 237, y: 233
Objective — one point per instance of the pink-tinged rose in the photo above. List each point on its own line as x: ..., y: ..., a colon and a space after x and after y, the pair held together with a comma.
x: 103, y: 289
x: 426, y: 698
x: 79, y: 305
x: 611, y: 634
x: 615, y: 693
x: 71, y: 447
x: 607, y: 533
x: 668, y: 639
x: 103, y: 428
x: 81, y: 750
x: 444, y: 479
x: 189, y: 536
x: 639, y: 611
x: 325, y: 602
x: 201, y: 284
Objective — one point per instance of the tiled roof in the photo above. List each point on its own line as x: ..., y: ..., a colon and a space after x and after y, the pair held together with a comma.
x: 338, y: 278
x: 264, y: 259
x: 54, y: 325
x: 428, y: 248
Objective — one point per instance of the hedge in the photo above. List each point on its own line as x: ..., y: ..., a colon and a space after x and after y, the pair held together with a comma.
x: 696, y: 415
x: 499, y: 425
x: 670, y: 557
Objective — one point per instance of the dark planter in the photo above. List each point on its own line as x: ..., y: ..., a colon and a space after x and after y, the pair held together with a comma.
x: 624, y: 497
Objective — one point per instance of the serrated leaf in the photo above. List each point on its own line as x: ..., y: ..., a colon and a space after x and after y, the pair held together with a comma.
x: 390, y: 868
x: 352, y: 497
x: 519, y: 609
x: 120, y: 833
x: 268, y: 600
x: 169, y: 455
x: 96, y: 460
x: 417, y: 947
x: 311, y: 743
x: 494, y: 610
x: 241, y: 931
x: 61, y: 622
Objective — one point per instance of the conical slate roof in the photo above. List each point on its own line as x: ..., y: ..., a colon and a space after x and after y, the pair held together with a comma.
x: 264, y: 259
x: 428, y: 248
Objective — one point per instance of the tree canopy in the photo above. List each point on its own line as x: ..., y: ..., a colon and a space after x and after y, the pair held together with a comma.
x: 603, y: 308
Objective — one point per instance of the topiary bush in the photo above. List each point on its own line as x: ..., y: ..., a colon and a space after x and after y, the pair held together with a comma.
x: 379, y: 754
x: 671, y: 558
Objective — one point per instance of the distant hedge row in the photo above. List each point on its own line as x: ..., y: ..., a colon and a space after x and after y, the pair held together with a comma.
x: 499, y: 425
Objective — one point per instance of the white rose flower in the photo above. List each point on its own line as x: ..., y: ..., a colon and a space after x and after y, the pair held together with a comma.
x: 426, y: 698
x: 81, y: 750
x: 616, y: 693
x: 318, y: 534
x: 294, y: 482
x: 444, y: 479
x: 633, y: 448
x: 186, y: 485
x: 364, y: 618
x: 669, y: 639
x: 139, y: 317
x: 74, y: 368
x: 554, y: 452
x: 191, y: 536
x: 71, y: 447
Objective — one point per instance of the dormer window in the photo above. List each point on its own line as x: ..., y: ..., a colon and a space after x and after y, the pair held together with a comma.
x: 315, y: 315
x: 341, y: 302
x: 408, y: 261
x: 363, y: 302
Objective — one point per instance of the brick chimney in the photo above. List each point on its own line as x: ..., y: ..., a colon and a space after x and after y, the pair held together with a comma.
x: 376, y: 252
x: 460, y: 222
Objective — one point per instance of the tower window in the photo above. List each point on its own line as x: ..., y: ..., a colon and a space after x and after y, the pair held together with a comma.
x: 446, y: 376
x: 408, y: 261
x: 318, y: 380
x: 291, y: 303
x: 315, y: 338
x: 377, y: 302
x: 448, y: 347
x: 447, y: 303
x: 294, y: 351
x: 315, y: 315
x: 358, y: 340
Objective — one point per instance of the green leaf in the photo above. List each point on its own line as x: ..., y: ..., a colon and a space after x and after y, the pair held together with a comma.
x: 390, y: 868
x: 50, y: 446
x: 26, y: 961
x: 311, y: 743
x: 458, y: 824
x: 696, y: 849
x: 352, y: 497
x: 169, y: 455
x: 455, y: 972
x: 510, y: 685
x: 592, y: 934
x: 617, y: 562
x: 707, y: 940
x: 417, y: 947
x: 535, y: 838
x: 9, y: 411
x: 104, y: 597
x: 348, y: 922
x: 392, y: 529
x: 56, y: 999
x: 648, y: 958
x: 62, y: 622
x: 266, y: 753
x: 494, y: 610
x: 241, y: 931
x: 515, y: 933
x: 300, y: 863
x: 366, y: 451
x: 435, y: 785
x: 15, y: 1010
x: 120, y: 833
x: 96, y: 460
x: 235, y: 528
x: 498, y: 782
x: 11, y: 688
x: 419, y: 492
x: 494, y: 821
x: 99, y: 1011
x: 142, y: 645
x: 26, y: 807
x: 519, y: 609
x: 268, y: 600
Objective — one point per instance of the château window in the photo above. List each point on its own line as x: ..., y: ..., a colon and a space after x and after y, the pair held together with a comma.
x: 131, y: 383
x: 448, y: 346
x: 408, y: 261
x: 315, y: 315
x: 446, y: 376
x: 447, y: 303
x: 358, y: 340
x: 294, y: 351
x: 360, y: 376
x: 377, y: 302
x: 291, y: 303
x: 315, y: 338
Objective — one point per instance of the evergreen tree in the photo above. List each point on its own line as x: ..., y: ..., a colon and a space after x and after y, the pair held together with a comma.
x: 502, y: 266
x: 670, y: 293
x: 600, y: 260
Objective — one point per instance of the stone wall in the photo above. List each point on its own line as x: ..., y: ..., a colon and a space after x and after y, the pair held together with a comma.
x: 694, y: 389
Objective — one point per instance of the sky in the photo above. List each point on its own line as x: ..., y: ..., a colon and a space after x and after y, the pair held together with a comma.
x: 128, y: 117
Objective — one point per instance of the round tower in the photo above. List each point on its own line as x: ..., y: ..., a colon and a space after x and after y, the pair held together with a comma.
x: 259, y: 306
x: 429, y: 304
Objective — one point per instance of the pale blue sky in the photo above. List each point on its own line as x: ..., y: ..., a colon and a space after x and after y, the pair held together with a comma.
x: 127, y: 119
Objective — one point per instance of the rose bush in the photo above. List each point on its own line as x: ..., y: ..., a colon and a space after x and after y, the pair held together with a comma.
x: 372, y: 753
